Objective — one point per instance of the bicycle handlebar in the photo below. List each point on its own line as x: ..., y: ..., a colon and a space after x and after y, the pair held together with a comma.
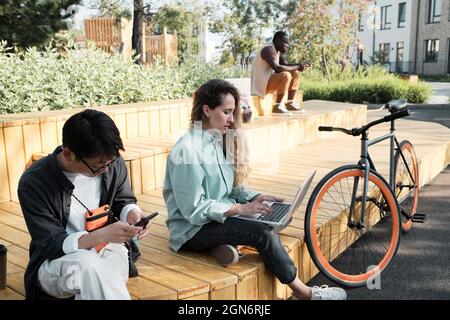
x: 358, y: 131
x: 389, y: 118
x: 324, y: 128
x: 397, y: 115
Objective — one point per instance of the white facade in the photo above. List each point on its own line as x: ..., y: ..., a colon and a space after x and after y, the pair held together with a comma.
x: 380, y: 24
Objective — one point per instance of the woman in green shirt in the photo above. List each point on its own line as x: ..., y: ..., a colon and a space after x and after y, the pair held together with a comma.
x: 203, y: 187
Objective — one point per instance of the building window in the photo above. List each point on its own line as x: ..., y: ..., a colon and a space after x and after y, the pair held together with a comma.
x: 434, y: 11
x: 360, y: 22
x: 385, y: 19
x: 432, y: 50
x: 384, y: 52
x: 401, y: 14
x: 400, y: 52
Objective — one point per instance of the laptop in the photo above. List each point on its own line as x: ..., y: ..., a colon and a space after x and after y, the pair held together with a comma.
x: 282, y: 213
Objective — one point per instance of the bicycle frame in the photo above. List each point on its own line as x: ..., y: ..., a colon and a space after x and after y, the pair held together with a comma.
x: 368, y: 164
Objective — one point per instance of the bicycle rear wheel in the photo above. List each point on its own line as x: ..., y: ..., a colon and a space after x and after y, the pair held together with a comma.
x: 406, y: 182
x: 343, y: 249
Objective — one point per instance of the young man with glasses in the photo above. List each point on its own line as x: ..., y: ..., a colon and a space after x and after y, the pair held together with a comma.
x: 58, y: 193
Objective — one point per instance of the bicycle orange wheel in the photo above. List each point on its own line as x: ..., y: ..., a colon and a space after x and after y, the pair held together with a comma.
x: 346, y: 248
x: 406, y: 182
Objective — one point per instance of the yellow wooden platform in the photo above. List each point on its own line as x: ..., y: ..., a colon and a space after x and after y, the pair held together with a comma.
x: 168, y: 275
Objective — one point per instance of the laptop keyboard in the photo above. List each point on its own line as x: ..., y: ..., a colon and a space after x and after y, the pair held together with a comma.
x: 279, y: 211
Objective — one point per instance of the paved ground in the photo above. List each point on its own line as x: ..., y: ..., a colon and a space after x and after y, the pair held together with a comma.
x: 440, y: 94
x: 433, y: 113
x: 422, y: 112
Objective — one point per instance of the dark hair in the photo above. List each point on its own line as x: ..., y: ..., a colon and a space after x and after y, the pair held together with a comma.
x: 279, y: 35
x: 92, y: 133
x: 212, y: 93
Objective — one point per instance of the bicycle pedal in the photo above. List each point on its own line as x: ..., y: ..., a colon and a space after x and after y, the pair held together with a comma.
x: 419, y: 218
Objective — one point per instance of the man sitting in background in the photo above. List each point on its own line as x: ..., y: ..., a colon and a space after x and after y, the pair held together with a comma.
x: 272, y: 74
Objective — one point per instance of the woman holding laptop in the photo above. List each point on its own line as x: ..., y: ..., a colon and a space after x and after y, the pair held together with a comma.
x: 203, y: 187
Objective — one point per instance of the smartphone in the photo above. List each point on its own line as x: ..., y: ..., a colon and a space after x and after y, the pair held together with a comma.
x: 306, y: 64
x: 144, y: 221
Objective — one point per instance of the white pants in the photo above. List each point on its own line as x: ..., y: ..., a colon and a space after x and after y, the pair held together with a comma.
x: 88, y: 275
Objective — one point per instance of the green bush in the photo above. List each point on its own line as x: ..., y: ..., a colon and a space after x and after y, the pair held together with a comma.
x: 369, y: 85
x: 48, y: 80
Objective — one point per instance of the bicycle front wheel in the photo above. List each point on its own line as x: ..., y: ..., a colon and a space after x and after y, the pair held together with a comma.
x: 406, y: 183
x: 346, y: 246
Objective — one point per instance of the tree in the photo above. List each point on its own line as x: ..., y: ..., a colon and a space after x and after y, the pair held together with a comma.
x: 138, y: 20
x: 112, y: 8
x: 226, y: 59
x: 327, y: 43
x: 244, y: 21
x: 26, y: 23
x: 186, y: 22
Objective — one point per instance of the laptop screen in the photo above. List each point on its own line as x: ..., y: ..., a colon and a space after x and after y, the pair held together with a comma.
x: 301, y: 193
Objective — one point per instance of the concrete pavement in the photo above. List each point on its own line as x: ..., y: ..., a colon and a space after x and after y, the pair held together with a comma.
x: 440, y: 93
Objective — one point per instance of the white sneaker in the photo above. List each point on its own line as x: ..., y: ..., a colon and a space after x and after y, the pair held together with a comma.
x: 326, y: 293
x: 293, y: 106
x: 226, y: 254
x: 280, y: 109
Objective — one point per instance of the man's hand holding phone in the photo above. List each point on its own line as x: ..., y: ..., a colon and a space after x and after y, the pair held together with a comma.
x: 144, y: 221
x: 136, y: 218
x: 304, y: 65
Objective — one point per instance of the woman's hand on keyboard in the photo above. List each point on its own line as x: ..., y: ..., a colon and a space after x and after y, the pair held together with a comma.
x: 261, y: 198
x: 249, y: 209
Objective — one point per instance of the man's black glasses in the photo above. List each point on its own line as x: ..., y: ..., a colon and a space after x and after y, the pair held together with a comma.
x: 98, y: 170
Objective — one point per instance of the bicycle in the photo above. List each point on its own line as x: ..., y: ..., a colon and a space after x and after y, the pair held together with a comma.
x: 354, y: 218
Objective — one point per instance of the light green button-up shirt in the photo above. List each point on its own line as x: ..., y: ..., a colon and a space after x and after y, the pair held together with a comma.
x: 198, y: 186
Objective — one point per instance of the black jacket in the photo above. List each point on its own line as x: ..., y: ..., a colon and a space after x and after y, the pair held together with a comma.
x: 45, y: 196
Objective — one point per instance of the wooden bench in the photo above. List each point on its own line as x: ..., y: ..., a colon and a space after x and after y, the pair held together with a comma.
x: 260, y: 106
x: 263, y: 106
x: 188, y: 275
x: 163, y: 273
x: 146, y: 156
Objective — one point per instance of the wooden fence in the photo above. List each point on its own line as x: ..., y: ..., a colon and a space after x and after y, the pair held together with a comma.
x: 112, y: 35
x: 104, y: 32
x: 164, y: 46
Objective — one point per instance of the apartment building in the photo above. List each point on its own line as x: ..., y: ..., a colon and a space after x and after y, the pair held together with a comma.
x: 407, y: 36
x: 384, y: 34
x: 430, y: 37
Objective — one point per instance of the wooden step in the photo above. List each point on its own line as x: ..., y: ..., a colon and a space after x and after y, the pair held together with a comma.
x: 26, y: 134
x: 189, y: 275
x: 151, y: 129
x: 146, y: 157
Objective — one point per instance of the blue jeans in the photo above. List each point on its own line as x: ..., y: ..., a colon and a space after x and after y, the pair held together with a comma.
x: 249, y: 233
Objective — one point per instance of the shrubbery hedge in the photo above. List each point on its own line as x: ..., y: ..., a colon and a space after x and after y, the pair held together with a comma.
x: 47, y: 80
x: 372, y: 86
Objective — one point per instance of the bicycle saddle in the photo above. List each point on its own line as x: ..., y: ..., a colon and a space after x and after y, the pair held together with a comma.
x: 396, y: 105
